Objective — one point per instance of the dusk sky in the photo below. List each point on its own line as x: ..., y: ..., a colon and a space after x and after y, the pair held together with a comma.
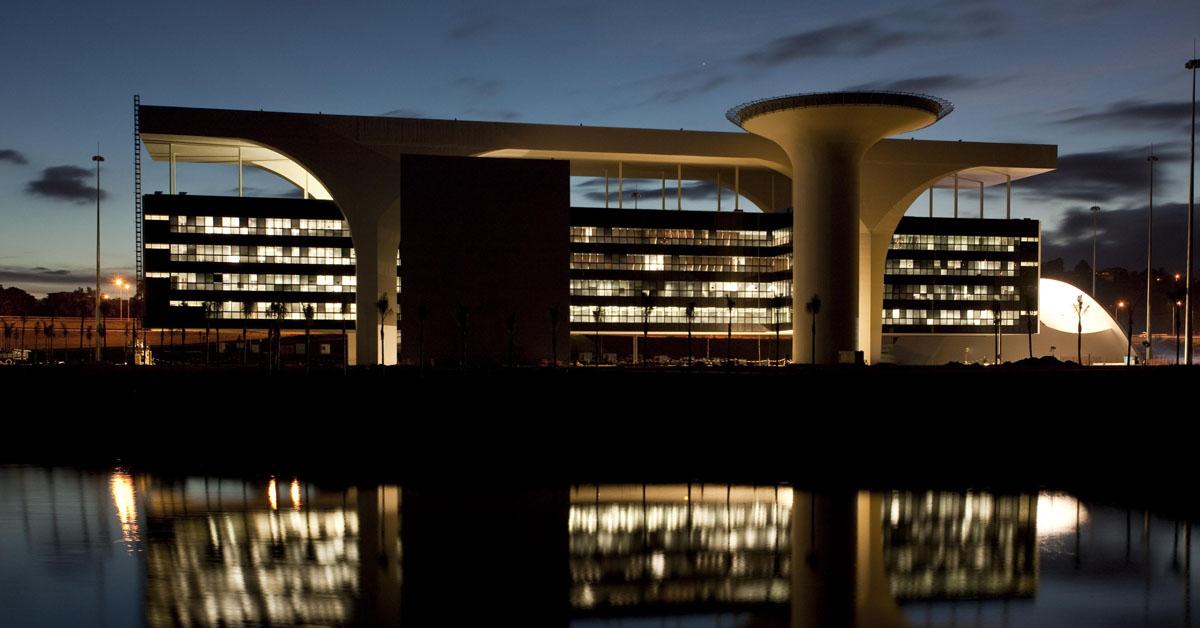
x: 1102, y: 80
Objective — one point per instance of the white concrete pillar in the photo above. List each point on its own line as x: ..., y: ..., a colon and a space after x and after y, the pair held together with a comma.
x: 239, y: 171
x: 620, y: 185
x: 956, y: 195
x: 737, y: 187
x: 375, y: 257
x: 306, y: 186
x: 931, y: 202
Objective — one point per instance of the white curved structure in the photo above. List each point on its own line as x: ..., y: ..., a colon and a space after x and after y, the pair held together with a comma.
x: 1103, y: 341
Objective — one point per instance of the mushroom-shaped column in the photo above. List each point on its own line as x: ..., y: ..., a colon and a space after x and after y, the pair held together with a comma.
x: 825, y: 136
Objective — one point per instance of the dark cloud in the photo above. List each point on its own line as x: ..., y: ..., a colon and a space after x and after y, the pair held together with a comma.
x: 403, y: 113
x: 1147, y: 115
x: 247, y: 190
x: 697, y: 84
x: 924, y: 84
x: 650, y: 190
x: 1100, y: 177
x: 43, y: 275
x: 9, y: 154
x: 1120, y: 237
x: 68, y: 183
x: 868, y: 36
x: 473, y: 27
x: 480, y: 87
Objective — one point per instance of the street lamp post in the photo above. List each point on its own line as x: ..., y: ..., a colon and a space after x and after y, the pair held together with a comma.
x: 1095, y: 210
x: 1187, y: 313
x: 1149, y: 253
x: 97, y: 159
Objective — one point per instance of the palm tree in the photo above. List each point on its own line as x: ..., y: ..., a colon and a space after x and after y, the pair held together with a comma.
x: 309, y: 313
x: 278, y: 312
x: 996, y: 323
x: 813, y: 307
x: 208, y: 310
x: 89, y: 334
x: 464, y: 321
x: 384, y: 307
x: 729, y: 305
x: 1080, y: 310
x: 647, y: 308
x: 690, y: 314
x: 49, y: 331
x: 248, y: 306
x: 182, y: 341
x: 554, y: 335
x: 511, y: 326
x: 598, y: 315
x: 777, y: 307
x: 37, y: 332
x: 345, y: 343
x: 24, y: 319
x: 103, y: 331
x: 1029, y: 321
x: 8, y: 333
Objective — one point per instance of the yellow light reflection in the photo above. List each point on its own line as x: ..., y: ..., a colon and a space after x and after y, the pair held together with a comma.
x: 271, y: 495
x: 296, y: 493
x: 126, y: 503
x: 1058, y: 514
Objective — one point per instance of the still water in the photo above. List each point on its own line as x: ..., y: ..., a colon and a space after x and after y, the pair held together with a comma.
x: 88, y: 548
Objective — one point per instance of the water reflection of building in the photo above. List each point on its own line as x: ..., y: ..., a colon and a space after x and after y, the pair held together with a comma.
x: 643, y: 549
x: 946, y: 545
x: 233, y: 553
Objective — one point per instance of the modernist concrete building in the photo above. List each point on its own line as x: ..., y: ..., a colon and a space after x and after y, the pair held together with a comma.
x: 820, y: 156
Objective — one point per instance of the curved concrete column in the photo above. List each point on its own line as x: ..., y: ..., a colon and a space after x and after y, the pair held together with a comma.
x: 826, y: 136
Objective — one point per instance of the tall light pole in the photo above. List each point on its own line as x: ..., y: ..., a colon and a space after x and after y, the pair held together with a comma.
x: 1095, y: 210
x: 1149, y: 252
x: 1187, y: 310
x: 97, y: 159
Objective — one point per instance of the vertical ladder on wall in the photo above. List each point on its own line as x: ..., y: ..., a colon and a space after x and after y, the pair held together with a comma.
x: 137, y: 189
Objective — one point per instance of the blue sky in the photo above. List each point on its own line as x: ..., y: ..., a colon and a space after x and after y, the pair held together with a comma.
x: 1103, y: 80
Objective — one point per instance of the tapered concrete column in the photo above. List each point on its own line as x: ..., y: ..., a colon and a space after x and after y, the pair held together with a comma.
x: 826, y: 136
x: 375, y: 253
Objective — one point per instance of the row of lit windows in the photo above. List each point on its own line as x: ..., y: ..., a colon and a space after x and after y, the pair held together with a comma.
x: 261, y: 310
x: 704, y: 237
x: 251, y: 282
x: 262, y: 254
x: 680, y: 289
x: 897, y: 316
x: 694, y: 263
x: 978, y: 268
x: 948, y: 292
x: 585, y: 314
x: 957, y: 242
x: 233, y: 225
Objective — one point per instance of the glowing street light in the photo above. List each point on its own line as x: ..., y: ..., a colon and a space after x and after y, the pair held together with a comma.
x: 123, y: 285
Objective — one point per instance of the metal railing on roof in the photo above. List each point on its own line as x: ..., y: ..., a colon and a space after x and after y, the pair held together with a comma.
x: 939, y: 107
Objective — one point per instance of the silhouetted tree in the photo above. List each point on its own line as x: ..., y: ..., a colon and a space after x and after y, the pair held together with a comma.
x: 37, y: 332
x: 384, y: 307
x: 309, y: 313
x: 729, y: 305
x: 278, y: 312
x: 647, y: 308
x: 345, y: 342
x: 1080, y: 310
x: 598, y: 315
x: 103, y: 331
x: 48, y: 330
x: 209, y: 306
x: 813, y: 307
x: 248, y: 306
x: 89, y: 334
x: 996, y: 324
x: 690, y: 315
x: 24, y: 320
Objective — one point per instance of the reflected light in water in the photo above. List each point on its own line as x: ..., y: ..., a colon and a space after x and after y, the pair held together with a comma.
x: 296, y: 493
x: 1058, y: 514
x: 271, y: 494
x: 126, y: 503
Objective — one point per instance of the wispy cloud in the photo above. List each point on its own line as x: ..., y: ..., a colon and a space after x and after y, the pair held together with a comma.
x: 1108, y: 176
x: 1127, y: 113
x: 479, y: 87
x: 933, y: 83
x: 8, y: 154
x: 873, y: 35
x: 404, y: 113
x: 649, y: 189
x: 68, y: 183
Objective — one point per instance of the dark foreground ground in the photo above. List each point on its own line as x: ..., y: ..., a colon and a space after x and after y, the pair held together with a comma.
x: 1126, y: 429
